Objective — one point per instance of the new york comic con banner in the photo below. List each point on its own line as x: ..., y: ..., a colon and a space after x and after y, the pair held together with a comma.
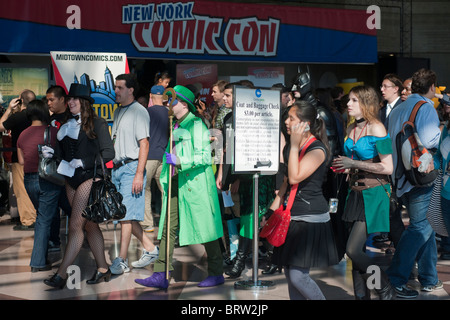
x: 192, y: 30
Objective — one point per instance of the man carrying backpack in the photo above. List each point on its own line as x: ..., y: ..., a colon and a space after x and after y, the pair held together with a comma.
x: 417, y: 242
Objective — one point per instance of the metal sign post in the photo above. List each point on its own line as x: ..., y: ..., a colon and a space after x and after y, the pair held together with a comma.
x: 255, y: 284
x: 257, y: 114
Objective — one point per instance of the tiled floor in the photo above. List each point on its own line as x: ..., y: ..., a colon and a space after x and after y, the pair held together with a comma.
x: 18, y: 283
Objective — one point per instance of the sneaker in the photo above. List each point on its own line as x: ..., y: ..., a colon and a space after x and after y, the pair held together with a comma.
x: 146, y: 258
x: 405, y: 293
x: 119, y: 266
x: 149, y: 229
x: 437, y: 286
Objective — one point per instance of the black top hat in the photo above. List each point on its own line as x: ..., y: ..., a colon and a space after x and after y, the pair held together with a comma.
x: 78, y: 90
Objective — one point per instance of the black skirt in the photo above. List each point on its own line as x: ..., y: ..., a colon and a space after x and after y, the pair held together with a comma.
x: 308, y: 245
x: 354, y: 207
x: 80, y: 176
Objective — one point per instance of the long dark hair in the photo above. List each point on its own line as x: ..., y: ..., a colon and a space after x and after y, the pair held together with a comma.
x: 87, y: 118
x: 305, y: 111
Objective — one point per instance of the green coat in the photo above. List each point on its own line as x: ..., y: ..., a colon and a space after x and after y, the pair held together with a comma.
x: 200, y: 219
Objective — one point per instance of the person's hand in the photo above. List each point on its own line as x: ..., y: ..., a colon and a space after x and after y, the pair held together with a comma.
x: 263, y: 222
x: 219, y: 180
x: 235, y: 186
x: 201, y: 107
x: 266, y: 217
x: 138, y: 184
x: 172, y: 159
x: 15, y: 104
x: 76, y: 163
x: 299, y: 134
x: 47, y: 152
x: 430, y: 167
x: 341, y: 163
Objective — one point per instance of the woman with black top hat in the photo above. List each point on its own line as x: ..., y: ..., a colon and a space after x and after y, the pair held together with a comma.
x: 79, y: 141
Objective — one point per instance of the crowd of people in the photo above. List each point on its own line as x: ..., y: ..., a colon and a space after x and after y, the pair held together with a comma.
x: 333, y: 145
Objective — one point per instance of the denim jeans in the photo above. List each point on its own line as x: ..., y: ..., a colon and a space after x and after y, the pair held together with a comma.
x: 445, y: 241
x: 45, y: 196
x: 123, y: 180
x: 417, y: 242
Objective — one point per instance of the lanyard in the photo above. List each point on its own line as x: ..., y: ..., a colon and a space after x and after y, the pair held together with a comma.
x: 354, y: 136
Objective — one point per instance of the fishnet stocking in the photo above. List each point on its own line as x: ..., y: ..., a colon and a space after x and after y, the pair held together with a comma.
x: 77, y: 225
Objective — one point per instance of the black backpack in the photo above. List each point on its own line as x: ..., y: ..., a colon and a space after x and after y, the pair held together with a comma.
x: 409, y: 150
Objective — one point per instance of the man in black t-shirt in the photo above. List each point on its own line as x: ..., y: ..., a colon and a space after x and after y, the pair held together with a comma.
x: 15, y: 119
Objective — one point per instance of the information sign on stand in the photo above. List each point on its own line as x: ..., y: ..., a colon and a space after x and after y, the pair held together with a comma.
x: 256, y: 116
x: 256, y: 150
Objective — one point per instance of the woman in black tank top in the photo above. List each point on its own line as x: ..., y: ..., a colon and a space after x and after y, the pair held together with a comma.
x: 309, y: 241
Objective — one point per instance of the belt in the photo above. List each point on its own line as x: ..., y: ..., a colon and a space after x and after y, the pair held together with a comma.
x: 117, y: 165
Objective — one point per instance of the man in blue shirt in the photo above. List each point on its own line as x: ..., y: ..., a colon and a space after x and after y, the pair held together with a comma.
x: 417, y: 242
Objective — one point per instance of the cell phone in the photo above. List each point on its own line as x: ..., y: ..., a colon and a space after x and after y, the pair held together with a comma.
x: 307, y: 128
x: 19, y: 102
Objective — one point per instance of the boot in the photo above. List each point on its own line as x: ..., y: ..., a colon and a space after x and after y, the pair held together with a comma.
x: 387, y: 291
x: 271, y: 269
x: 360, y: 289
x: 241, y: 256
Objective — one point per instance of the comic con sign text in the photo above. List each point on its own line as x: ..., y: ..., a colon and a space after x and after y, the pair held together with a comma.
x: 174, y: 28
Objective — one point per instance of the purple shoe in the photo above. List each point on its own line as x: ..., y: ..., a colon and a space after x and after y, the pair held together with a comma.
x: 212, y: 281
x: 156, y: 280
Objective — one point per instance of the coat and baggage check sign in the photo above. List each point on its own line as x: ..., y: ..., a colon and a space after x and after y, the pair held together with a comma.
x: 256, y: 117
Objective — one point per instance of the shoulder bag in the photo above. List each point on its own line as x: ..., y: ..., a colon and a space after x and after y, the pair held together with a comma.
x: 276, y: 228
x: 105, y: 202
x: 48, y: 166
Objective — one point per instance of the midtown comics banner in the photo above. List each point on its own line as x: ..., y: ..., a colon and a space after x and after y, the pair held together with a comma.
x: 97, y: 70
x: 194, y: 30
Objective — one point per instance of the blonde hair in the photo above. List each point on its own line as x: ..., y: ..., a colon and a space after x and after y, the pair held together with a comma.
x: 369, y: 102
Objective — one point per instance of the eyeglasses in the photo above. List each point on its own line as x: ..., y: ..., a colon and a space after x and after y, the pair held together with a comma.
x: 385, y: 87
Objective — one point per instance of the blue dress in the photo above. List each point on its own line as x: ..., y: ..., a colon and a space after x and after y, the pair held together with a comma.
x: 372, y: 204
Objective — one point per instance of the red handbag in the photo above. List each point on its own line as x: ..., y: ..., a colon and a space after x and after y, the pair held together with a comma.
x: 276, y: 227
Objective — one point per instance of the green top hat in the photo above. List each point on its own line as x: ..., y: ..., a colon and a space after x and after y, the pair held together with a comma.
x: 186, y: 95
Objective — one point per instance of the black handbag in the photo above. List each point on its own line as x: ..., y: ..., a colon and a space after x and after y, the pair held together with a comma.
x: 48, y: 167
x: 105, y: 202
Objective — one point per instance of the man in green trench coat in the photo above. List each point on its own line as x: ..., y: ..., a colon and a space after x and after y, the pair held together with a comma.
x: 194, y: 206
